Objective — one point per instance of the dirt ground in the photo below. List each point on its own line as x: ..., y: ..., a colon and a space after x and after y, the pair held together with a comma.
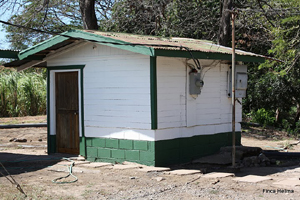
x: 24, y: 120
x: 31, y: 167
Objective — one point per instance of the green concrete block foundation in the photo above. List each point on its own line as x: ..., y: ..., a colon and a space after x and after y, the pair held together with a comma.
x: 126, y: 144
x: 132, y: 155
x: 153, y: 153
x: 157, y: 153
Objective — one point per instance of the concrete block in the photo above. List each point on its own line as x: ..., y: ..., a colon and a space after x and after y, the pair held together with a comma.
x: 132, y: 155
x: 116, y: 153
x: 123, y: 167
x: 154, y: 169
x: 80, y: 163
x: 217, y: 175
x: 146, y: 156
x: 126, y: 144
x: 104, y: 153
x: 98, y: 142
x: 252, y: 179
x: 89, y: 142
x: 92, y: 152
x: 182, y: 172
x: 289, y: 182
x: 97, y: 164
x: 112, y: 143
x: 140, y: 145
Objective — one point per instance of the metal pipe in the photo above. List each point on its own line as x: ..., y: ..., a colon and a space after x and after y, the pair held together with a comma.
x: 233, y: 87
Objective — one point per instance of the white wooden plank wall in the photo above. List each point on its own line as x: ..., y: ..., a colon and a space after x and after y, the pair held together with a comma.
x: 116, y: 90
x: 213, y: 105
x: 208, y: 103
x: 171, y: 95
x: 117, y: 95
x: 179, y: 115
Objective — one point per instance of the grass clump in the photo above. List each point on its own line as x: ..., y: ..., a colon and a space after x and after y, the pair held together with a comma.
x: 22, y: 93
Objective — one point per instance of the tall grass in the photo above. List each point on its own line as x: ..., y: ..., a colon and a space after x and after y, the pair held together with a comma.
x: 22, y: 94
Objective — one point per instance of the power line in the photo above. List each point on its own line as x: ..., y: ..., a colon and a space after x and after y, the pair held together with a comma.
x: 32, y: 29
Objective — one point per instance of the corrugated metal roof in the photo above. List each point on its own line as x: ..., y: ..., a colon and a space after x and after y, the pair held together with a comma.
x: 192, y: 44
x: 146, y: 45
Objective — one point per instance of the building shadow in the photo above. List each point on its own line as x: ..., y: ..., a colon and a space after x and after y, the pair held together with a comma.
x: 284, y: 162
x: 22, y: 163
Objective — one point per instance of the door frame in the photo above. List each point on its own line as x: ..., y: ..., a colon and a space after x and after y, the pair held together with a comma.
x: 51, y: 106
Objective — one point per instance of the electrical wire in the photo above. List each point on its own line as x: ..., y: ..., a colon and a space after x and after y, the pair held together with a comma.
x: 32, y: 29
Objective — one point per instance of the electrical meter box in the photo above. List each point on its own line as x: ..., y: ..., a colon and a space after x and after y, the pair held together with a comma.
x: 241, y: 79
x: 195, y: 83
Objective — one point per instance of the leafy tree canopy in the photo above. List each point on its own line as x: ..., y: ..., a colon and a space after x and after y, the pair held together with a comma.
x: 264, y: 27
x: 51, y: 16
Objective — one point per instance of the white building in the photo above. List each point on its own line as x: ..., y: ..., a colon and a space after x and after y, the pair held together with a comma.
x: 115, y: 97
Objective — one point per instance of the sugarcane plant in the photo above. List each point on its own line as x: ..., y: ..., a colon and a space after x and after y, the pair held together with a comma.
x: 22, y: 94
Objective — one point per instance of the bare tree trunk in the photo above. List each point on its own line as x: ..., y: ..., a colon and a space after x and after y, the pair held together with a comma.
x: 88, y: 14
x: 277, y: 115
x: 224, y: 30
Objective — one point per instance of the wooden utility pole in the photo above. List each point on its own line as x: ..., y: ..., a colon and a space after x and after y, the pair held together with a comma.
x: 233, y: 15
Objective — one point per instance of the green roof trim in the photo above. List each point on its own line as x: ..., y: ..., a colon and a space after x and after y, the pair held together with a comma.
x: 107, y: 41
x: 207, y: 55
x: 77, y: 34
x: 41, y: 46
x: 199, y: 49
x: 9, y: 54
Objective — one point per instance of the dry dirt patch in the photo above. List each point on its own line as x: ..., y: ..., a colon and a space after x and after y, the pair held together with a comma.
x: 36, y: 138
x: 108, y: 183
x: 269, y: 139
x: 24, y: 120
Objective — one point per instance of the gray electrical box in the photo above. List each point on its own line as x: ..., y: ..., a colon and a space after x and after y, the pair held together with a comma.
x: 195, y: 83
x: 241, y: 79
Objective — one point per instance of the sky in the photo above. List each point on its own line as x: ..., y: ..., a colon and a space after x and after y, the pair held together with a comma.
x: 3, y: 43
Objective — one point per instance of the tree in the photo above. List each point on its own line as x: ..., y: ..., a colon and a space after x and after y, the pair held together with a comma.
x: 260, y: 26
x: 224, y: 29
x: 88, y: 14
x: 276, y: 86
x: 53, y: 16
x: 180, y: 18
x: 194, y: 19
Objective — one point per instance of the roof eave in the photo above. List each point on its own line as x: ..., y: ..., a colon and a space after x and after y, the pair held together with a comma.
x: 77, y: 34
x: 33, y: 52
x: 110, y: 42
x: 9, y: 54
x: 208, y: 55
x: 41, y: 46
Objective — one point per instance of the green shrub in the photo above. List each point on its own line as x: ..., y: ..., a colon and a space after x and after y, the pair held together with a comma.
x: 263, y: 117
x: 287, y: 126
